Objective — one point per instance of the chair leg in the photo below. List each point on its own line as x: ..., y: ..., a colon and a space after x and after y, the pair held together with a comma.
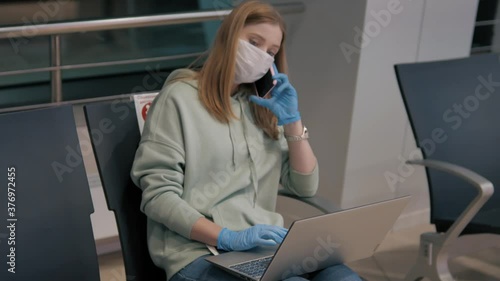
x: 432, y: 260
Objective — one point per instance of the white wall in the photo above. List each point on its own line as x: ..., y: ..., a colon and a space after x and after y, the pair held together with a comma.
x: 325, y: 82
x: 447, y: 29
x: 378, y: 124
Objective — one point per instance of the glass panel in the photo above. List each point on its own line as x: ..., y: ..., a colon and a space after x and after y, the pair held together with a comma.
x: 91, y: 9
x: 39, y: 12
x: 97, y: 47
x: 486, y: 38
x: 145, y: 77
x: 218, y: 4
x: 487, y: 10
x: 26, y: 93
x: 23, y: 53
x: 130, y: 44
x: 483, y: 36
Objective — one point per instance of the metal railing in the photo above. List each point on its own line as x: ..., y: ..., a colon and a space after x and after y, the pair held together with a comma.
x: 55, y: 30
x: 487, y: 22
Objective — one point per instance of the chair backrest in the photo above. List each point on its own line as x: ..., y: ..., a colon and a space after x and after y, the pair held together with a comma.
x: 47, y: 231
x: 454, y: 110
x: 115, y: 137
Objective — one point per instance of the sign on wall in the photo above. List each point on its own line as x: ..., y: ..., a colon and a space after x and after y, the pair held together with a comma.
x: 142, y: 103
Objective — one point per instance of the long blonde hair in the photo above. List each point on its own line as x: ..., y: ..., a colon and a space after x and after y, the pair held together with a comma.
x: 216, y: 76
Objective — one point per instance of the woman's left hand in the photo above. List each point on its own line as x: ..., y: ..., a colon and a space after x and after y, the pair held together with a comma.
x: 283, y: 102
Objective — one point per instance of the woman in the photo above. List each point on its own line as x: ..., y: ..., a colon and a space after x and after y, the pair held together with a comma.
x: 213, y: 154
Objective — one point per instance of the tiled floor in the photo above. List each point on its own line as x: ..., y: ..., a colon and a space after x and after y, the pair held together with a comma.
x: 391, y: 262
x: 398, y: 252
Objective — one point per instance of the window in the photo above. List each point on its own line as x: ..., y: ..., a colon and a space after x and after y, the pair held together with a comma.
x: 139, y: 44
x: 487, y: 30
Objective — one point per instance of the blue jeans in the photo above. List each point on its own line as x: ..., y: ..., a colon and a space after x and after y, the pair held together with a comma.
x: 201, y: 270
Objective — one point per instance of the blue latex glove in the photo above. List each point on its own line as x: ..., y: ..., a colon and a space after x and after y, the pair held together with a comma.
x: 258, y: 235
x: 283, y: 102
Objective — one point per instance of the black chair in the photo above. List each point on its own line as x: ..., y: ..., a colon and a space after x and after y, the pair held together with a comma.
x: 454, y: 114
x: 50, y: 199
x: 116, y: 136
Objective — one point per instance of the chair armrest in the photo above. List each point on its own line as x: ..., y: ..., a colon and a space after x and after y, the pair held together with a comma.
x: 484, y: 187
x: 320, y: 203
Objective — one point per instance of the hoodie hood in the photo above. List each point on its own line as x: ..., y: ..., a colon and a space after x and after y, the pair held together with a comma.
x: 183, y: 73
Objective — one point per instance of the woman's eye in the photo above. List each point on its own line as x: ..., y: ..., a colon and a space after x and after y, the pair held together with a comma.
x: 271, y: 54
x: 253, y: 42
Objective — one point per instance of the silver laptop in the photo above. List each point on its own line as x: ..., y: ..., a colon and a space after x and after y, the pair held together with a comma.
x: 315, y: 243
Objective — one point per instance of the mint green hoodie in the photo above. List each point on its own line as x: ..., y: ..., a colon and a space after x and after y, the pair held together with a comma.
x: 189, y: 165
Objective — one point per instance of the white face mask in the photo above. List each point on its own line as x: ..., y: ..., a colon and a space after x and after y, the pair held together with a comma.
x: 251, y: 63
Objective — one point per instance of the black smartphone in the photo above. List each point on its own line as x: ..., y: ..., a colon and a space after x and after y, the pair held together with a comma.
x: 264, y: 85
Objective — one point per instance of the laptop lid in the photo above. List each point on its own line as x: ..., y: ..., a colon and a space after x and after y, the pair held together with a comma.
x: 340, y: 237
x: 318, y: 242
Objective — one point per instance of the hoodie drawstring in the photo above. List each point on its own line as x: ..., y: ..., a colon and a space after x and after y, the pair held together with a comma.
x: 233, y: 144
x: 253, y: 170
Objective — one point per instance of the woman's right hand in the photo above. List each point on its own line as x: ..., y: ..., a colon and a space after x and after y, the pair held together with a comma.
x: 283, y: 102
x: 258, y: 235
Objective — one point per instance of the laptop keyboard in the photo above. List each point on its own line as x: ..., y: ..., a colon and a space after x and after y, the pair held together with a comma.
x: 253, y: 268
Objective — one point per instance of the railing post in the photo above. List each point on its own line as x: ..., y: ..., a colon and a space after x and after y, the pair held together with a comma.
x: 55, y: 61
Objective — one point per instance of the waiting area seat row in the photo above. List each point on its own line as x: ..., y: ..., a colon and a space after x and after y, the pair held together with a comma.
x: 48, y: 205
x: 51, y: 197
